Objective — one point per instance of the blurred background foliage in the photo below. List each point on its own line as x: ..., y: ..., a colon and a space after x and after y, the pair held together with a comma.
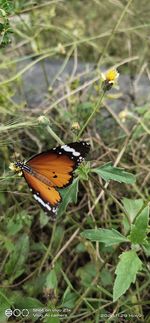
x: 45, y: 264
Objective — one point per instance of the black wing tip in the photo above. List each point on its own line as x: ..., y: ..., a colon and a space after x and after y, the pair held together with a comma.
x: 77, y: 148
x: 76, y: 151
x: 83, y: 147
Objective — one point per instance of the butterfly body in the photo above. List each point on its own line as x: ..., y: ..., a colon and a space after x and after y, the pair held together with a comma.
x: 51, y: 170
x: 25, y: 168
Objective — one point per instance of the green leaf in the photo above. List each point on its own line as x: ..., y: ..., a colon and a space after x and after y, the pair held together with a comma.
x: 86, y: 273
x: 15, y: 265
x: 44, y: 219
x: 132, y: 207
x: 34, y: 287
x: 68, y: 195
x: 139, y: 131
x: 80, y: 248
x: 142, y: 109
x: 109, y: 237
x: 106, y: 277
x: 85, y: 106
x: 18, y: 222
x: 58, y: 236
x: 69, y: 299
x: 83, y: 171
x: 51, y: 320
x: 13, y: 228
x: 4, y: 304
x: 126, y: 271
x: 27, y: 302
x: 139, y: 229
x: 8, y: 243
x: 51, y: 280
x: 110, y: 172
x: 146, y: 247
x: 14, y: 225
x: 6, y: 5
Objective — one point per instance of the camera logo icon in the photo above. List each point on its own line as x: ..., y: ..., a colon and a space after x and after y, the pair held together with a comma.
x: 8, y: 312
x: 17, y: 312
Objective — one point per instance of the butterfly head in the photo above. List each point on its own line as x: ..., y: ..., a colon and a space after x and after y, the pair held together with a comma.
x: 16, y: 167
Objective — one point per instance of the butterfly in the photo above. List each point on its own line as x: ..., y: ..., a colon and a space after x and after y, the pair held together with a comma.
x: 48, y: 171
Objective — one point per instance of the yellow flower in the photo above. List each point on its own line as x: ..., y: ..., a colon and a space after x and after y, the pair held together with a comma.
x: 14, y: 168
x: 112, y: 75
x: 123, y: 115
x: 75, y: 126
x: 43, y: 120
x: 61, y: 49
x: 109, y: 79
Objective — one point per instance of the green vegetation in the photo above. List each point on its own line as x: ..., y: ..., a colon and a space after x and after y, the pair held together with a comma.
x: 91, y: 265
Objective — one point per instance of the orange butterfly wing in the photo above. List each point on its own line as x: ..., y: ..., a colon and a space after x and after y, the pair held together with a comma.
x: 57, y: 168
x: 46, y: 196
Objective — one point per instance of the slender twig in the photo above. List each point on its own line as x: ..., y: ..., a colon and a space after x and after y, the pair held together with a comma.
x: 53, y: 134
x: 97, y: 107
x: 113, y: 32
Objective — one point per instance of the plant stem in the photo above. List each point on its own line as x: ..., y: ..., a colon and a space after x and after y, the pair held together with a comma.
x: 92, y: 115
x: 48, y: 251
x: 53, y: 134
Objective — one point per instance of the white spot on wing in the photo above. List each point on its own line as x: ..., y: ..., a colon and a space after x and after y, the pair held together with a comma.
x: 70, y: 150
x: 54, y: 210
x: 39, y: 199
